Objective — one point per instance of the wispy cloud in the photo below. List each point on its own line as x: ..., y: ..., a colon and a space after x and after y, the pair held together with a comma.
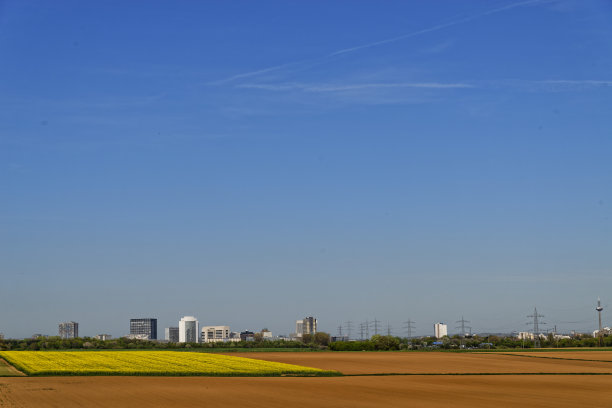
x: 547, y: 85
x: 352, y: 87
x: 556, y: 85
x: 440, y: 26
x: 254, y: 73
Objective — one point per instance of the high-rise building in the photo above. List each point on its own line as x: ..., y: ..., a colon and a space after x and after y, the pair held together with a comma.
x: 440, y: 330
x: 172, y: 334
x: 144, y: 327
x: 211, y: 334
x: 309, y: 325
x: 189, y: 330
x: 69, y: 330
x: 299, y: 327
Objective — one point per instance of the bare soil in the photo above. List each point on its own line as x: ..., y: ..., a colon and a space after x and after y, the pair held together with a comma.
x: 7, y: 370
x: 352, y: 391
x: 392, y: 391
x: 438, y: 363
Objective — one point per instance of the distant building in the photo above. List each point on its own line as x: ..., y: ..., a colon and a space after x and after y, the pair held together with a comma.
x: 309, y: 325
x: 266, y: 335
x: 189, y: 330
x: 137, y: 337
x: 103, y: 337
x: 39, y: 336
x: 69, y: 330
x: 247, y: 336
x: 172, y: 334
x: 525, y: 336
x: 299, y: 328
x: 213, y: 334
x: 440, y: 330
x: 339, y: 338
x: 146, y: 326
x: 1, y: 336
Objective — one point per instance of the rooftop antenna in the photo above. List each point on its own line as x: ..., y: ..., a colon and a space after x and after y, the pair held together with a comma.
x: 599, y: 309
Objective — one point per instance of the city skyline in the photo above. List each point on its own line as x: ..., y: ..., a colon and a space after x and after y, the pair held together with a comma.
x: 253, y: 163
x: 369, y: 327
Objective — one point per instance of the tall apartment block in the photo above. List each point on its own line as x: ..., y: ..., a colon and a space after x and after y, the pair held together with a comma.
x: 172, y: 334
x: 299, y: 327
x: 440, y: 330
x: 309, y: 325
x: 69, y: 330
x: 189, y: 330
x: 144, y: 326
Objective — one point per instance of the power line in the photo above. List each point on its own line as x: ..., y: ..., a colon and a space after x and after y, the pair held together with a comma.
x: 409, y: 326
x: 462, y: 327
x: 536, y: 327
x: 376, y: 325
x: 349, y: 328
x: 389, y: 330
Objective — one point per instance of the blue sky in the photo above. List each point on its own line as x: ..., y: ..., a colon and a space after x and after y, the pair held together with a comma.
x: 251, y: 163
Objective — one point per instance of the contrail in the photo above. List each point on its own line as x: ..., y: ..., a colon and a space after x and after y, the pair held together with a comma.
x: 436, y: 27
x: 353, y: 87
x: 381, y: 42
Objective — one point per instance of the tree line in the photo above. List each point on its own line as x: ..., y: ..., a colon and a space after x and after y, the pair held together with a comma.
x: 318, y: 341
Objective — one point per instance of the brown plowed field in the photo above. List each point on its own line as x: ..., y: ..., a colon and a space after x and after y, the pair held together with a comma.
x: 578, y: 355
x: 394, y: 391
x: 437, y: 362
x: 351, y: 391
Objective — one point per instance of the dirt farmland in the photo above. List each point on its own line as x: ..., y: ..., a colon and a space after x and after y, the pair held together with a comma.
x: 362, y: 390
x: 393, y: 391
x: 439, y: 363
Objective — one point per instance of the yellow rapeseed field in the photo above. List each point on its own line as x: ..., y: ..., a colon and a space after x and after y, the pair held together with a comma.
x: 170, y: 363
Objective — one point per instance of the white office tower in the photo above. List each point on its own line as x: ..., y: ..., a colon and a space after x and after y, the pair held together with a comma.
x: 189, y: 330
x: 299, y: 327
x: 440, y: 330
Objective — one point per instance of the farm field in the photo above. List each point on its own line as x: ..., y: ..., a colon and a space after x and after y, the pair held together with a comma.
x: 479, y: 382
x: 361, y: 392
x: 7, y: 370
x: 166, y: 363
x: 444, y: 363
x: 571, y: 355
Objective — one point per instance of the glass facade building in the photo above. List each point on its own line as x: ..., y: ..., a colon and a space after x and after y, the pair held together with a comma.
x: 145, y: 326
x: 69, y: 330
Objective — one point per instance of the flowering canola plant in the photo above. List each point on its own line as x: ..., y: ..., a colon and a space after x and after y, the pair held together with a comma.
x: 164, y: 363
